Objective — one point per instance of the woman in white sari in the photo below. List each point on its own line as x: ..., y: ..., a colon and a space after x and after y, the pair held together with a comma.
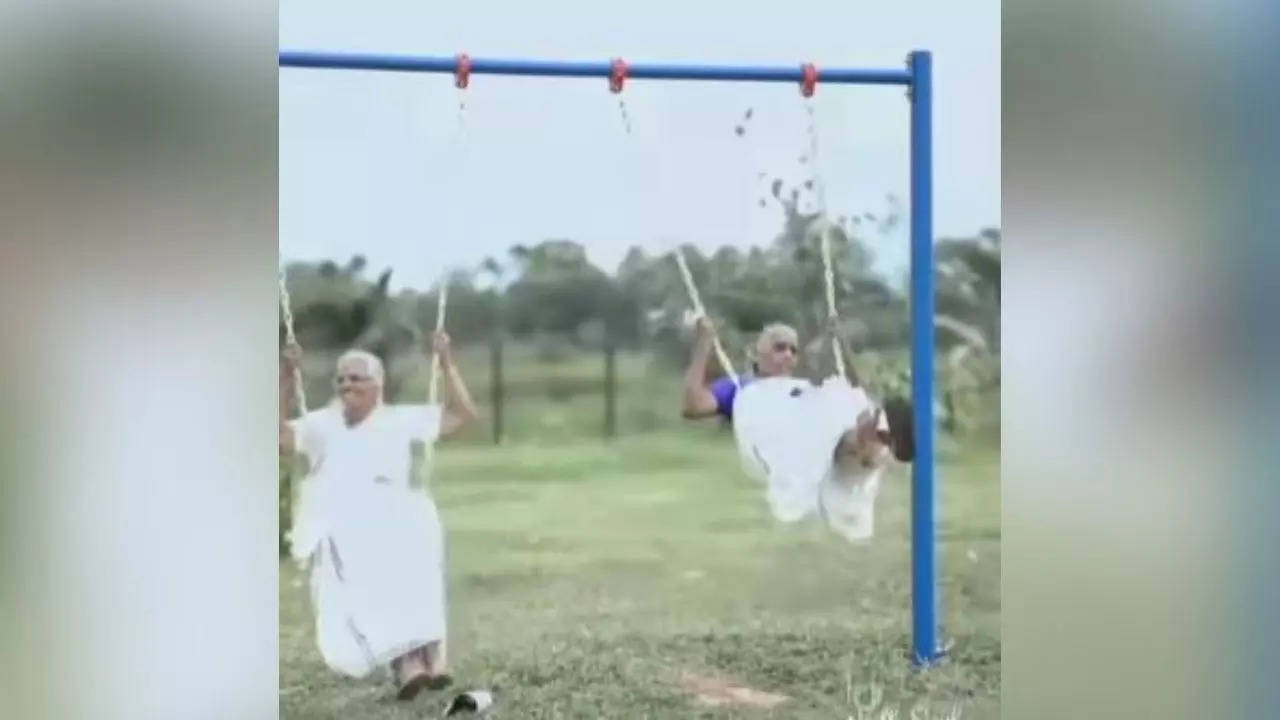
x: 822, y: 448
x: 373, y: 540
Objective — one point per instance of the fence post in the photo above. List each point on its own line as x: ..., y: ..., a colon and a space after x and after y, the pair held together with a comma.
x: 495, y: 385
x: 610, y: 389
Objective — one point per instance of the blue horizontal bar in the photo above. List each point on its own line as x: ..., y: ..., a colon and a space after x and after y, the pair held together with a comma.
x: 553, y: 68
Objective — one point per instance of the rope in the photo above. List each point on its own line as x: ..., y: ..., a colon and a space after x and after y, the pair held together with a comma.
x: 291, y: 339
x: 828, y: 267
x: 829, y: 274
x: 617, y: 80
x: 462, y: 76
x: 434, y: 387
x: 701, y: 311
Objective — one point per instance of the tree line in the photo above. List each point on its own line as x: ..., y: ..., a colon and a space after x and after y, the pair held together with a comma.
x: 549, y: 292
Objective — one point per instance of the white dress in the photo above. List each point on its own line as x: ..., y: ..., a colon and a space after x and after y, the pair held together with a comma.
x: 787, y: 430
x: 375, y: 544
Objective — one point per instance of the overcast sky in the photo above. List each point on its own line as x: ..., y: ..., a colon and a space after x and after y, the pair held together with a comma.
x: 385, y: 164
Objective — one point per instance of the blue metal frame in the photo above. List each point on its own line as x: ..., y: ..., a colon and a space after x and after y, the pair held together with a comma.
x: 917, y: 77
x: 924, y: 501
x: 557, y: 68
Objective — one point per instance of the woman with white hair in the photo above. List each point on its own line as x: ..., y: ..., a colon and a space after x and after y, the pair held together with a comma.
x: 822, y: 447
x: 373, y: 541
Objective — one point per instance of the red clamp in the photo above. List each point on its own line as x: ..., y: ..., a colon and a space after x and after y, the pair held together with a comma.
x: 810, y: 80
x: 618, y: 76
x: 462, y: 75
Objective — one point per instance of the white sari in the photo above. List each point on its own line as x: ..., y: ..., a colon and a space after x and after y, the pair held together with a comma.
x: 787, y: 430
x: 374, y: 543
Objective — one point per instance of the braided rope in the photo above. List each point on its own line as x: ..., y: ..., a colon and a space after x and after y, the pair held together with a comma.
x: 434, y: 387
x: 828, y: 267
x: 701, y: 311
x: 291, y: 339
x: 829, y: 274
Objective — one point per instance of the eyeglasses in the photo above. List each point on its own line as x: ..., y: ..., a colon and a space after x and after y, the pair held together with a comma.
x: 351, y: 378
x: 780, y: 346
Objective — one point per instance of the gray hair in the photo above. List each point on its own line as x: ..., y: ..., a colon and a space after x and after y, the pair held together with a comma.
x: 774, y: 332
x: 372, y: 365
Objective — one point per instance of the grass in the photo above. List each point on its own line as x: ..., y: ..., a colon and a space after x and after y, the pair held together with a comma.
x: 587, y: 581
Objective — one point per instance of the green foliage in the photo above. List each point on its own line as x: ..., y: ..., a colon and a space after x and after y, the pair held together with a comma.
x: 549, y: 297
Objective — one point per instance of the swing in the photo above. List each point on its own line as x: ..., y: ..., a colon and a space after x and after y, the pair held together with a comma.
x: 303, y: 534
x: 304, y: 530
x: 364, y: 498
x: 788, y: 431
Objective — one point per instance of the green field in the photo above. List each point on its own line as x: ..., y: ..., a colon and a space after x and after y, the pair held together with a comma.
x: 629, y: 580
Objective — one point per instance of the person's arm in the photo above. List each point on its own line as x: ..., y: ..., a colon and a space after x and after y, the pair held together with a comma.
x: 699, y: 401
x: 459, y: 410
x: 291, y: 360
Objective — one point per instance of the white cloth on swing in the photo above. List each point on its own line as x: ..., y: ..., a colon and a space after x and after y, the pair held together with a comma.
x: 847, y: 501
x: 375, y: 544
x: 847, y: 494
x: 787, y: 430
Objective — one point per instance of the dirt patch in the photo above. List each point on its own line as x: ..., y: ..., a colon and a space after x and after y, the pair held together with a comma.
x: 713, y: 692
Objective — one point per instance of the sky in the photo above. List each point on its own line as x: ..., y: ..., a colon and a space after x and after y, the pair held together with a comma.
x: 425, y: 179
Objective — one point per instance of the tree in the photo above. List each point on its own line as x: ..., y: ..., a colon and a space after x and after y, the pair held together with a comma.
x: 557, y: 290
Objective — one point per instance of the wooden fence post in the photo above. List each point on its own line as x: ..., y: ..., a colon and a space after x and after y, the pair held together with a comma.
x: 610, y: 389
x: 495, y: 385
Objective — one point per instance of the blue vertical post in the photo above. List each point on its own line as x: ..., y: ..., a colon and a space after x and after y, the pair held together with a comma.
x: 924, y: 568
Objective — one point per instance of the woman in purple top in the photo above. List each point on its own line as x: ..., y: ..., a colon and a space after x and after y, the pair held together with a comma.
x: 777, y: 354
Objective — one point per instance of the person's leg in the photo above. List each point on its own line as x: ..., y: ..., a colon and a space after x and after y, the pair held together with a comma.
x: 865, y: 445
x: 433, y: 659
x: 411, y: 674
x: 844, y: 452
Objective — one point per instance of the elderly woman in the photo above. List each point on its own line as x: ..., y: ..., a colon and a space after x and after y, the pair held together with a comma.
x: 863, y: 447
x: 374, y: 542
x: 777, y: 354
